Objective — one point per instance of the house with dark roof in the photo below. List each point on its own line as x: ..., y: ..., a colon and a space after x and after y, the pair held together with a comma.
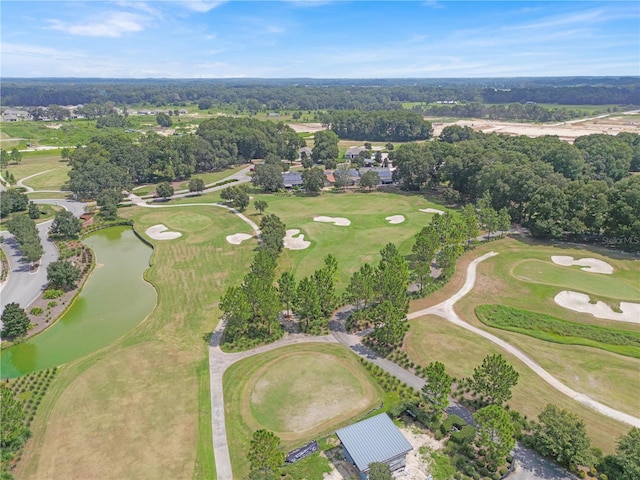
x: 375, y: 439
x: 385, y: 174
x: 354, y: 152
x: 292, y: 179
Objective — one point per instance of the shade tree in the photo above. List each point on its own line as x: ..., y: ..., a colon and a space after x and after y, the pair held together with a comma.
x: 15, y: 322
x: 494, y: 379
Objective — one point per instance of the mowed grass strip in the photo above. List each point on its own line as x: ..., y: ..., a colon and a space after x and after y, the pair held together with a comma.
x: 36, y: 162
x: 140, y: 408
x: 268, y: 391
x: 572, y: 278
x: 552, y: 329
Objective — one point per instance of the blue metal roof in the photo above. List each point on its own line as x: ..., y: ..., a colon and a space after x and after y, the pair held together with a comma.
x: 375, y: 439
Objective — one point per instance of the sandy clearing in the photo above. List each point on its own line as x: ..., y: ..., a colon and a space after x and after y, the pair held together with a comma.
x: 393, y: 219
x: 592, y: 265
x: 432, y: 210
x: 416, y: 468
x: 307, y: 127
x: 579, y: 302
x: 339, y: 221
x: 295, y: 243
x: 160, y: 232
x: 238, y: 238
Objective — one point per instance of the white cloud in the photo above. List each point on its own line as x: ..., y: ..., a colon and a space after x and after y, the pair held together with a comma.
x: 139, y: 5
x: 112, y: 24
x: 202, y: 6
x: 274, y: 29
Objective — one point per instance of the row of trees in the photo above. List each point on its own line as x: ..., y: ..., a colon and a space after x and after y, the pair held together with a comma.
x: 252, y: 309
x: 26, y: 234
x: 382, y: 126
x: 512, y: 111
x: 552, y: 187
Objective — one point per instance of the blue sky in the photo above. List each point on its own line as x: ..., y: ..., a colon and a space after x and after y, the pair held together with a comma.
x: 316, y: 38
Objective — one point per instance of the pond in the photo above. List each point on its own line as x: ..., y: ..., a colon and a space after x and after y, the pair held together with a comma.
x: 113, y: 301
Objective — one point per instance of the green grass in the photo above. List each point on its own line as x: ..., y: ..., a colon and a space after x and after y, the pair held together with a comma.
x: 56, y: 176
x: 572, y: 278
x: 546, y: 327
x: 71, y: 133
x: 147, y: 395
x: 239, y: 389
x: 213, y: 177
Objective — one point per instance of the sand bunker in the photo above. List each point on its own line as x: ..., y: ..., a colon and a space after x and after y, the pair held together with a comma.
x: 432, y: 210
x: 160, y: 232
x: 238, y: 238
x: 589, y: 264
x: 295, y: 243
x: 339, y: 221
x: 395, y: 219
x: 579, y: 302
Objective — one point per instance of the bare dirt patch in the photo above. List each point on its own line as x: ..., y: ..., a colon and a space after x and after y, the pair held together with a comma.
x: 395, y: 219
x: 307, y: 127
x: 592, y: 265
x: 238, y: 238
x: 338, y: 221
x: 580, y: 302
x: 294, y: 240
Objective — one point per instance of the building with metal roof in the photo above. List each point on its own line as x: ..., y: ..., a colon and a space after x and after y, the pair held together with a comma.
x: 375, y: 439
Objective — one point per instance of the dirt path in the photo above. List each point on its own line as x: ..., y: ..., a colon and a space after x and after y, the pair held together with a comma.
x: 446, y: 311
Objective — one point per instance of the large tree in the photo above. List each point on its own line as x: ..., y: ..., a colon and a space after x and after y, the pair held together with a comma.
x: 196, y: 185
x: 362, y: 286
x: 562, y: 435
x: 273, y: 232
x: 268, y: 177
x: 325, y: 146
x: 307, y: 306
x: 496, y: 432
x: 265, y: 454
x: 164, y: 190
x: 437, y: 387
x: 65, y: 225
x: 313, y: 180
x: 63, y: 274
x: 324, y: 280
x: 625, y: 463
x: 393, y: 278
x: 494, y: 379
x: 15, y: 322
x: 287, y: 290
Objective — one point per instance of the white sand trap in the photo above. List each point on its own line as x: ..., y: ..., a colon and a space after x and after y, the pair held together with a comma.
x: 238, y: 238
x: 579, y: 302
x: 432, y: 210
x: 160, y: 232
x: 295, y: 243
x: 395, y: 219
x: 589, y: 264
x: 339, y: 221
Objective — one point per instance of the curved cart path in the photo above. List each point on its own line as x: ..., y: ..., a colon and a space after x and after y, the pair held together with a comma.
x: 446, y: 311
x: 218, y: 364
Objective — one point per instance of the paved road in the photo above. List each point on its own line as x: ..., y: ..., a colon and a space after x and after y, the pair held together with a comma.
x: 23, y: 285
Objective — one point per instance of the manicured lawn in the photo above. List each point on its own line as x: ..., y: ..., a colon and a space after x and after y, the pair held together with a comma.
x: 606, y: 377
x: 57, y: 170
x: 140, y: 408
x: 301, y: 392
x: 621, y: 287
x: 213, y: 177
x: 70, y: 133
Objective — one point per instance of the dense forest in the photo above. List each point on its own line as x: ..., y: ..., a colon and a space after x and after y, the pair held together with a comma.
x: 308, y: 94
x: 379, y: 126
x: 556, y: 189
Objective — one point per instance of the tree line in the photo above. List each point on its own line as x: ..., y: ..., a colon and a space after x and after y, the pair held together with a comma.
x: 253, y: 95
x: 381, y: 126
x: 114, y: 162
x: 556, y: 189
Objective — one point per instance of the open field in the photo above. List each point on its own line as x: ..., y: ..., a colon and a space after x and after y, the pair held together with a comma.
x: 287, y: 391
x: 57, y: 170
x: 43, y: 133
x: 157, y: 422
x: 604, y: 376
